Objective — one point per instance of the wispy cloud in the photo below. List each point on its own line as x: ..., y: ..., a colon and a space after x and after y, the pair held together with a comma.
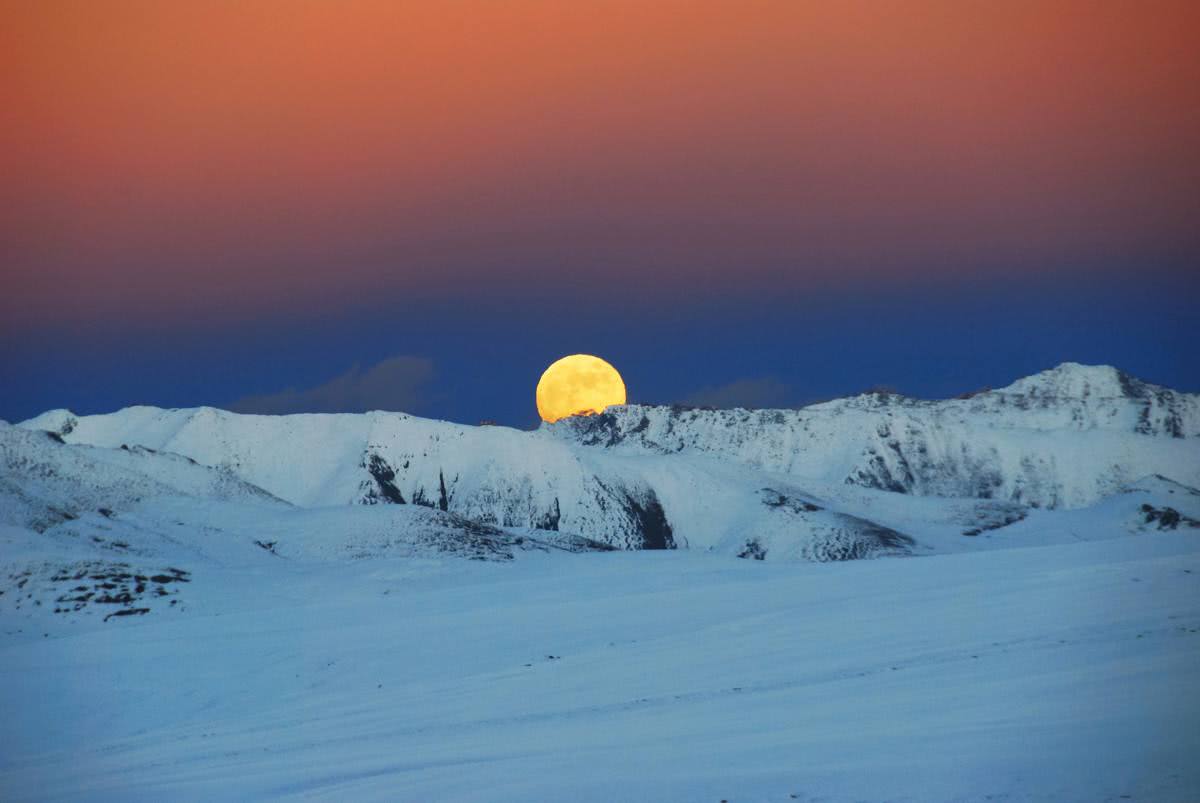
x: 397, y: 383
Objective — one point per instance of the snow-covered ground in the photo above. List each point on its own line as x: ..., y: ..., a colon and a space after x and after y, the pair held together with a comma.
x: 196, y: 605
x: 1046, y: 673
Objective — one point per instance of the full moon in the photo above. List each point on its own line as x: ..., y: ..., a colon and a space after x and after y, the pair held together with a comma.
x: 578, y: 385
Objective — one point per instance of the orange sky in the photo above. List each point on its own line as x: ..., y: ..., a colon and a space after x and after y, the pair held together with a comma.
x: 256, y: 154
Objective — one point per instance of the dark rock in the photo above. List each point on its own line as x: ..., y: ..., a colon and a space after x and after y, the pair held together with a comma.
x: 128, y: 612
x: 385, y: 477
x: 753, y: 550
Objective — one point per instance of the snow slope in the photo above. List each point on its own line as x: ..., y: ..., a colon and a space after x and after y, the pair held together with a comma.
x: 92, y: 532
x: 1062, y: 438
x: 1062, y: 673
x: 197, y: 605
x: 661, y: 477
x: 495, y: 476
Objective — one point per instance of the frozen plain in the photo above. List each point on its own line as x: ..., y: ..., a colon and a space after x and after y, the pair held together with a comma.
x: 1064, y: 672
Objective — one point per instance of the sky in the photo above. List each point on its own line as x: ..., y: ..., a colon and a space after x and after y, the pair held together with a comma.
x: 291, y: 205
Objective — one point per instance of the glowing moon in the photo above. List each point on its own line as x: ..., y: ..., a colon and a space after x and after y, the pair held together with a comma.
x: 578, y: 385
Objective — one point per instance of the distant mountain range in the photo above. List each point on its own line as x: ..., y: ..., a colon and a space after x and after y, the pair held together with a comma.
x: 872, y: 475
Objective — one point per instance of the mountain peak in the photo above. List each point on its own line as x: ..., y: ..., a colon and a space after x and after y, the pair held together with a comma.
x: 1077, y: 381
x: 60, y: 421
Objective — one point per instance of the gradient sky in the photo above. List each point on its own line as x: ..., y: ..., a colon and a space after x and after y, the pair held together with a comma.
x: 316, y: 205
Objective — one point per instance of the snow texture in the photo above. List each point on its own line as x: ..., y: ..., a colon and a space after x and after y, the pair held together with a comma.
x: 656, y: 604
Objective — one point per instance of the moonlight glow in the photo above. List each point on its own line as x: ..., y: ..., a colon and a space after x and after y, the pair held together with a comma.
x: 578, y: 385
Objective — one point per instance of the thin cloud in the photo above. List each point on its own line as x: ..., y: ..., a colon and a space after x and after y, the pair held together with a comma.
x: 397, y: 383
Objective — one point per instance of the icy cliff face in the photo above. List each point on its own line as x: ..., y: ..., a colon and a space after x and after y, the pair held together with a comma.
x: 640, y: 477
x: 1062, y: 438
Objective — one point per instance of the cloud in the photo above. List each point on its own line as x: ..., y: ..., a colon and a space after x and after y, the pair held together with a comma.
x: 397, y: 383
x: 757, y: 392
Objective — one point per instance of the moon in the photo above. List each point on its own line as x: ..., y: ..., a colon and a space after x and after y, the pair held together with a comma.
x: 578, y: 384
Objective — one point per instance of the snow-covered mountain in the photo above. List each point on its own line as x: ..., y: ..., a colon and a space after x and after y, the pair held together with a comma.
x: 88, y: 530
x: 818, y: 483
x: 1062, y: 438
x: 204, y: 605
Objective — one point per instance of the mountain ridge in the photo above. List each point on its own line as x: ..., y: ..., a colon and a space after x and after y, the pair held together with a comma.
x: 640, y: 476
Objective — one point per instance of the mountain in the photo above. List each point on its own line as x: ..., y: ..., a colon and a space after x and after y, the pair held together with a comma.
x: 1062, y: 438
x: 831, y: 481
x: 116, y: 532
x: 202, y: 605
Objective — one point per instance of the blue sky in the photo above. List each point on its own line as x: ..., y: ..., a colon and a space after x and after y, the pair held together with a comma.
x: 484, y: 355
